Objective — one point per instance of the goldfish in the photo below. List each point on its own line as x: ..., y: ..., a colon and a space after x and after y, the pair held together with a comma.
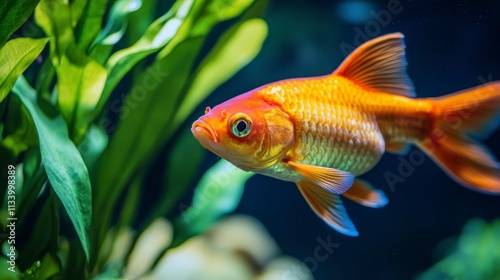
x: 321, y: 133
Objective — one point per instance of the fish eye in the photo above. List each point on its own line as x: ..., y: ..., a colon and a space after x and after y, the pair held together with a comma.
x: 241, y: 125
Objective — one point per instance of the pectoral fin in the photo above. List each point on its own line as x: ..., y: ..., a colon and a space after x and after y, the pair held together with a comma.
x: 328, y: 206
x: 363, y: 193
x: 331, y: 179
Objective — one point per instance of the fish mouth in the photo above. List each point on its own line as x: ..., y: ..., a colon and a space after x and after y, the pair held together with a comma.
x: 203, y: 131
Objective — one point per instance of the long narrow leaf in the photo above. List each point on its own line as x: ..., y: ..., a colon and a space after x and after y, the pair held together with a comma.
x: 117, y: 23
x: 157, y: 36
x: 65, y: 168
x: 90, y: 23
x: 109, y: 182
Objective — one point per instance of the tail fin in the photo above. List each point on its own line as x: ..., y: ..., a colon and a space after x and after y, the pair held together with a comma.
x: 458, y: 119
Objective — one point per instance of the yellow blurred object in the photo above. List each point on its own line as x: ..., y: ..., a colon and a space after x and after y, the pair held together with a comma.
x: 149, y: 246
x: 237, y: 247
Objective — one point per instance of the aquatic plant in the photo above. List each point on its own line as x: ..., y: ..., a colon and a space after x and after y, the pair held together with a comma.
x: 475, y: 254
x: 90, y: 92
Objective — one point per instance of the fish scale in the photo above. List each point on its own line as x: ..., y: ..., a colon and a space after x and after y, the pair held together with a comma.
x: 331, y: 131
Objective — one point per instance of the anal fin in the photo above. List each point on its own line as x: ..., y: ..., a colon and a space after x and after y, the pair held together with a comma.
x: 363, y: 193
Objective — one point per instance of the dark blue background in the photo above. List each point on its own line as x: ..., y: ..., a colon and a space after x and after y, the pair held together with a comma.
x: 449, y: 45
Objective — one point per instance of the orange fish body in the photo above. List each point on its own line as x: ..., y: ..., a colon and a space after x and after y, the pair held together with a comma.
x: 322, y: 132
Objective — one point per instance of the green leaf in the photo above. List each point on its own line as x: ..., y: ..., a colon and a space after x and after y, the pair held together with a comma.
x: 62, y: 162
x: 90, y: 23
x: 207, y: 14
x: 93, y: 146
x: 34, y: 178
x: 130, y: 204
x: 19, y: 131
x: 80, y: 84
x: 12, y: 15
x: 54, y: 17
x: 117, y: 23
x: 236, y: 49
x: 150, y: 108
x: 16, y: 56
x: 216, y: 11
x: 179, y: 171
x: 154, y: 118
x: 218, y: 193
x: 5, y: 273
x: 158, y: 35
x: 226, y: 9
x: 109, y: 181
x: 47, y: 226
x: 77, y: 7
x: 139, y: 21
x: 114, y: 30
x: 45, y: 269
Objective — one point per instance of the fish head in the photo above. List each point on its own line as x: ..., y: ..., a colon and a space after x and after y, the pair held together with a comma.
x: 246, y: 131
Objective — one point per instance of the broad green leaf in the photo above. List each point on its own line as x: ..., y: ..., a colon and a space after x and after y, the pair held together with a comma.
x: 117, y: 22
x: 158, y: 34
x: 65, y: 168
x: 13, y: 14
x: 54, y: 17
x: 218, y: 192
x: 80, y: 84
x: 227, y: 58
x: 16, y: 56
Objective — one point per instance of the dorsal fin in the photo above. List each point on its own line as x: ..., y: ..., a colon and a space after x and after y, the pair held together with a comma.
x: 379, y: 64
